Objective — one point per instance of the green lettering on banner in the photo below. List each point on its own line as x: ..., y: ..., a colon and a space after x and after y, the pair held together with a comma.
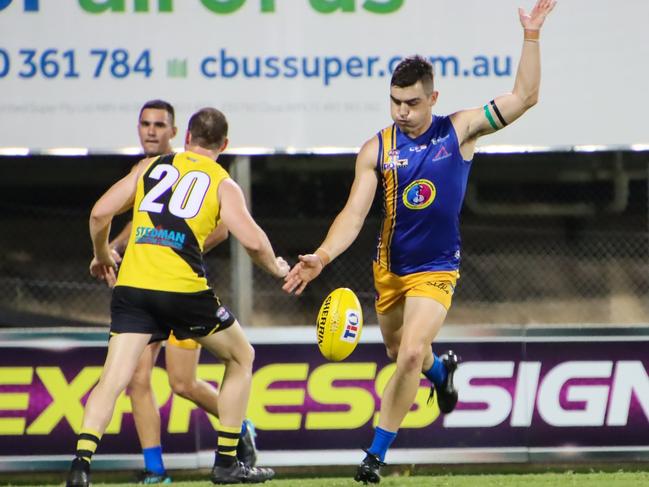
x: 231, y: 6
x: 223, y: 6
x: 386, y: 7
x: 100, y: 6
x: 163, y: 5
x: 97, y: 7
x: 330, y: 6
x: 267, y: 6
x: 177, y: 68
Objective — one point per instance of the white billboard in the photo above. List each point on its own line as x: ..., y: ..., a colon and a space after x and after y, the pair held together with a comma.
x: 310, y: 74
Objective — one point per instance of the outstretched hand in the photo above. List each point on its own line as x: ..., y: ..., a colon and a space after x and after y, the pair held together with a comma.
x: 104, y: 268
x: 306, y: 270
x: 534, y: 20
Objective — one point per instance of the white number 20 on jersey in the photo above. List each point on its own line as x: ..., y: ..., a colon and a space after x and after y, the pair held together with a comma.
x: 186, y: 199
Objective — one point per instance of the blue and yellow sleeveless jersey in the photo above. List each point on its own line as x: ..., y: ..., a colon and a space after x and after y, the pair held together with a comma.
x: 424, y: 182
x: 176, y: 207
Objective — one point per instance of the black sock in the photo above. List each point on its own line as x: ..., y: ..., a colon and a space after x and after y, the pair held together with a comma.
x: 225, y: 460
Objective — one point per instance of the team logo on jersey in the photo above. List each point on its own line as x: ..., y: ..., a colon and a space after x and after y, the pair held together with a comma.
x: 419, y: 148
x: 442, y: 153
x: 159, y: 236
x: 394, y: 161
x: 222, y: 314
x: 419, y: 194
x: 437, y: 140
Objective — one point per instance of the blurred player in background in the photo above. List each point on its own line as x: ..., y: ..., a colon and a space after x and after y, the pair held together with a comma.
x: 422, y: 162
x: 156, y: 128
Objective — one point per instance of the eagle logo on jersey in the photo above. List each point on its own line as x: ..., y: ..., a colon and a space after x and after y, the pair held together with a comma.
x: 419, y: 194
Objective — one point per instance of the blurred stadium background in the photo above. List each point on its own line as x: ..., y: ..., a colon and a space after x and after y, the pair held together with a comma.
x: 549, y: 238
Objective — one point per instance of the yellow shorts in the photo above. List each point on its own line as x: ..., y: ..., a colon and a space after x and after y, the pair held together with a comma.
x: 391, y: 289
x: 187, y: 344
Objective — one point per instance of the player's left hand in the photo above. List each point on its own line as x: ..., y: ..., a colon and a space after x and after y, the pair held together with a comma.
x: 306, y: 270
x: 534, y: 20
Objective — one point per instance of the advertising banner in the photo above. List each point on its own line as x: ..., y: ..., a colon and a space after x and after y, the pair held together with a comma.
x: 517, y: 395
x: 309, y: 75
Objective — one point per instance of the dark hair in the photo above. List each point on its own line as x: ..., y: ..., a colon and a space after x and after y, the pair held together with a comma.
x: 160, y: 105
x: 209, y: 128
x: 411, y: 70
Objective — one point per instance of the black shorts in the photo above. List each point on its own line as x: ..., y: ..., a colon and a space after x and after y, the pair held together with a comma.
x: 189, y: 315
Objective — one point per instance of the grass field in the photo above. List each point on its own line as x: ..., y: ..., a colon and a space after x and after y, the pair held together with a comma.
x: 569, y: 479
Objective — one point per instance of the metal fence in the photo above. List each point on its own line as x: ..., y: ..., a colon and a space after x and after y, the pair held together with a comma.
x: 549, y: 238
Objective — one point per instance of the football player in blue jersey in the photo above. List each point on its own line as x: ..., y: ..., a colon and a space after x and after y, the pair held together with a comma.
x: 422, y: 162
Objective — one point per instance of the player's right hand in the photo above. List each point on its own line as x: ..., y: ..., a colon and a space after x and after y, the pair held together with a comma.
x: 283, y: 267
x: 306, y: 270
x: 104, y: 268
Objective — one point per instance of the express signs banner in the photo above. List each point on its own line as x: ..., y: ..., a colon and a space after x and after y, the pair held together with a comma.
x: 516, y: 394
x: 304, y: 75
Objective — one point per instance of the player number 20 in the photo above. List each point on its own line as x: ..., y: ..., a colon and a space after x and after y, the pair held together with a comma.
x: 186, y: 198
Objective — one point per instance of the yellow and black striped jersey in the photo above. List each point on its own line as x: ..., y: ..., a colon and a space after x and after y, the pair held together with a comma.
x: 176, y: 207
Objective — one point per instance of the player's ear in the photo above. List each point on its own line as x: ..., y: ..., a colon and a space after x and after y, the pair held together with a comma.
x: 188, y: 137
x: 433, y: 97
x: 224, y: 145
x: 174, y: 131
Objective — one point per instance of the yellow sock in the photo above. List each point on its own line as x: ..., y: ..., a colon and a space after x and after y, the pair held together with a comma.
x: 87, y: 443
x: 228, y: 441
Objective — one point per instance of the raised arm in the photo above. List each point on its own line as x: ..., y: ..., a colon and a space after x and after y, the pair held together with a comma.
x: 237, y: 218
x: 345, y: 227
x: 473, y: 123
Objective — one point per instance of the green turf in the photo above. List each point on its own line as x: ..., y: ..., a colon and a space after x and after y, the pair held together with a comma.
x: 595, y: 479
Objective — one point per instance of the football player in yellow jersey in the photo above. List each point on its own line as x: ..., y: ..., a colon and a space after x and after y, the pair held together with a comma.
x: 156, y: 128
x: 177, y: 201
x: 422, y: 163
